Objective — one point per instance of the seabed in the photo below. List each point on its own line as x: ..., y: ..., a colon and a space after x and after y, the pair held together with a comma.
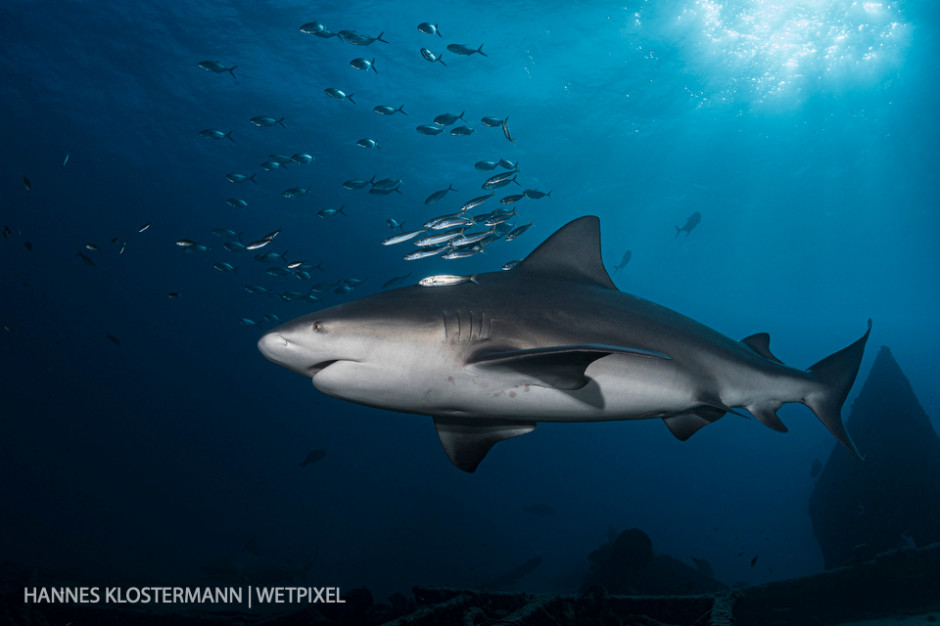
x: 901, y: 586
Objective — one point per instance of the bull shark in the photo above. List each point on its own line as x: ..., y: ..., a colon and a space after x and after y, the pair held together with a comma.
x: 552, y: 340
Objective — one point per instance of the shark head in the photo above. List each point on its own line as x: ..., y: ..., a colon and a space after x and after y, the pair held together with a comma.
x: 356, y: 350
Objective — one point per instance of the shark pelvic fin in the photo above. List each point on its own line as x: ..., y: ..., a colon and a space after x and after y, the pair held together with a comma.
x: 558, y: 367
x: 466, y: 441
x: 572, y: 253
x: 685, y: 425
x: 760, y: 343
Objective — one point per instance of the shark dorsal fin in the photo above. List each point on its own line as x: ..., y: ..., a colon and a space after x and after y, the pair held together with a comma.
x: 572, y: 253
x: 760, y: 343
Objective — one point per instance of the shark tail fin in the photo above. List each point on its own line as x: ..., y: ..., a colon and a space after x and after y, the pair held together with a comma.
x: 837, y: 373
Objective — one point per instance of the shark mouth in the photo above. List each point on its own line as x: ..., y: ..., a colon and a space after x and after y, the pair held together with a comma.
x: 319, y: 367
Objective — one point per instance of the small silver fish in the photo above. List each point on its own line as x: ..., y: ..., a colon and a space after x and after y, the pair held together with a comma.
x: 430, y: 57
x: 339, y: 94
x: 461, y: 131
x: 401, y: 237
x: 144, y: 227
x: 316, y: 28
x: 423, y: 253
x: 458, y: 48
x: 436, y: 240
x: 492, y: 122
x: 438, y: 195
x: 462, y: 253
x: 535, y: 194
x: 265, y: 121
x: 216, y: 68
x: 384, y: 109
x: 255, y: 245
x: 506, y: 134
x: 485, y: 166
x: 294, y: 192
x: 388, y: 183
x: 354, y: 184
x: 240, y: 178
x: 424, y: 129
x: 471, y: 204
x: 498, y: 179
x: 302, y: 158
x: 331, y: 212
x: 516, y: 197
x: 447, y: 280
x: 185, y: 243
x: 446, y: 119
x: 514, y: 233
x: 212, y: 133
x: 270, y: 166
x: 358, y: 39
x: 511, y: 264
x: 429, y: 29
x: 364, y: 64
x: 225, y: 267
x: 237, y: 203
x: 501, y: 182
x: 368, y: 143
x: 66, y: 161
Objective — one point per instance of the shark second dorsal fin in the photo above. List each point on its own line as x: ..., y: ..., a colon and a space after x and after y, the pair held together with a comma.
x: 760, y: 343
x: 572, y: 253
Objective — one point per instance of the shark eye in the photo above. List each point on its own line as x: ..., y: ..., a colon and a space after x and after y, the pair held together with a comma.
x: 317, y: 326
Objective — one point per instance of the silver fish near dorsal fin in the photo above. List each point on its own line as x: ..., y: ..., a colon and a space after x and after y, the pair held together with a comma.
x: 466, y: 441
x: 572, y: 253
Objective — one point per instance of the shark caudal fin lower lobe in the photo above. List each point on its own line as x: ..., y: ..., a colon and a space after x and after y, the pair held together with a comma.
x: 837, y: 373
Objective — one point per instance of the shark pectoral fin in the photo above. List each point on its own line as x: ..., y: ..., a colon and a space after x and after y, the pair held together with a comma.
x: 760, y: 343
x: 558, y: 367
x: 766, y: 414
x: 466, y: 441
x: 687, y: 424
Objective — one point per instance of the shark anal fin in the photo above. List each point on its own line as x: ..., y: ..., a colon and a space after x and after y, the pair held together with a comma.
x: 558, y: 367
x: 760, y: 343
x: 766, y: 414
x: 467, y: 440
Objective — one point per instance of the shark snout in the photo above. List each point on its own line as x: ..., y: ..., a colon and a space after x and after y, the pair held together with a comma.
x: 279, y: 349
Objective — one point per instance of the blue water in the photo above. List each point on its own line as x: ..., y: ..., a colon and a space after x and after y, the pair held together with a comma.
x: 806, y: 137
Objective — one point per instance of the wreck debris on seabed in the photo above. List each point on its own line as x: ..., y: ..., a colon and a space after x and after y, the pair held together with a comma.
x: 902, y: 582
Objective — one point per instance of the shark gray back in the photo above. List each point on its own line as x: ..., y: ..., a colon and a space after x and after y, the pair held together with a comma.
x: 551, y: 340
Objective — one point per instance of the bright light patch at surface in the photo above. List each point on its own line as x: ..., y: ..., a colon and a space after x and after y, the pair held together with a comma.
x: 765, y: 49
